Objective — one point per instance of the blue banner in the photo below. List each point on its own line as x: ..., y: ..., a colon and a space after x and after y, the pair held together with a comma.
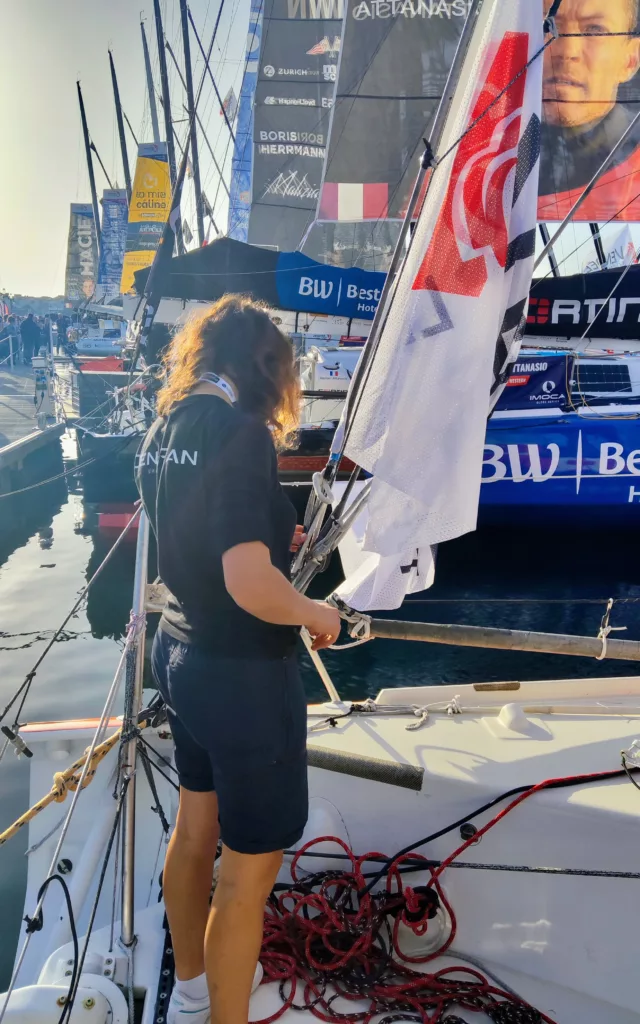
x: 573, y: 469
x: 318, y: 288
x: 537, y: 382
x: 242, y: 161
x: 115, y: 212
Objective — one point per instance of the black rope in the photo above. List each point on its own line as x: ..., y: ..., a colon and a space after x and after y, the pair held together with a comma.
x: 167, y: 778
x: 73, y: 990
x: 156, y: 753
x: 422, y: 865
x: 628, y: 771
x: 156, y: 807
x: 35, y: 924
x: 559, y: 784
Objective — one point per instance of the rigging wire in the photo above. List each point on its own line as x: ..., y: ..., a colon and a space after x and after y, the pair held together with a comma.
x: 132, y: 637
x: 79, y: 959
x: 68, y: 472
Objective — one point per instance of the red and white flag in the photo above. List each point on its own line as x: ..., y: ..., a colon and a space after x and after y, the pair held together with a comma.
x: 459, y: 310
x: 351, y: 201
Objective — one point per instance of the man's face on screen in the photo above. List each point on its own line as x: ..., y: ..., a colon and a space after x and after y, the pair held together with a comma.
x: 585, y: 67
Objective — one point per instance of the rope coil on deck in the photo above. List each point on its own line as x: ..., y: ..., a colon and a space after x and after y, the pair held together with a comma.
x: 328, y: 938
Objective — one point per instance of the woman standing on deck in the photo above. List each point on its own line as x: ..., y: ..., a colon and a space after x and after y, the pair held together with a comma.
x: 224, y: 656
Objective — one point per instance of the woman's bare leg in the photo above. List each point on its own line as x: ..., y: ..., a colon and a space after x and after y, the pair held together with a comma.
x: 187, y: 878
x: 234, y: 932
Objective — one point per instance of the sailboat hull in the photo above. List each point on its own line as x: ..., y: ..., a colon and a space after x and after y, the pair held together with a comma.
x: 546, y: 900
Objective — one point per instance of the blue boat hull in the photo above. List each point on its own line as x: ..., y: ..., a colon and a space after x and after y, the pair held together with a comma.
x: 572, y: 470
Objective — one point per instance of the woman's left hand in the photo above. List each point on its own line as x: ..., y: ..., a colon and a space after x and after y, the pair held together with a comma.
x: 299, y: 538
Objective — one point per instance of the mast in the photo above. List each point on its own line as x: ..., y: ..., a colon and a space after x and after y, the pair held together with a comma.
x: 120, y: 120
x: 92, y: 177
x: 193, y: 133
x: 202, y: 129
x: 166, y: 98
x: 153, y: 106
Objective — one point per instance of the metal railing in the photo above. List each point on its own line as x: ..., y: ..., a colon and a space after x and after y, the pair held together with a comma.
x: 14, y: 350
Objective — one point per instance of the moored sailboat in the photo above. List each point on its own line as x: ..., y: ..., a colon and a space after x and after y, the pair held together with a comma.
x: 519, y: 785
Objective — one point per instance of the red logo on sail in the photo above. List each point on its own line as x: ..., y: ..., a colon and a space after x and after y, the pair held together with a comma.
x: 473, y: 216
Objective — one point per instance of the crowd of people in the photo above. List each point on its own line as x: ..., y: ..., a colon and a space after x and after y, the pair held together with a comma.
x: 25, y: 336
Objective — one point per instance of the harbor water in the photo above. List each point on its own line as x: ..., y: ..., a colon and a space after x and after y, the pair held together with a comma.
x: 51, y: 544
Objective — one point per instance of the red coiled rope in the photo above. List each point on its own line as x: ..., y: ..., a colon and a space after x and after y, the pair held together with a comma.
x: 327, y: 938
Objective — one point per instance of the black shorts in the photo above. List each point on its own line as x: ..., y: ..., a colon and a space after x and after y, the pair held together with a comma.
x: 240, y: 729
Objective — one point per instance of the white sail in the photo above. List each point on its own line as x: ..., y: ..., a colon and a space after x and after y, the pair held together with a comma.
x: 619, y: 251
x: 456, y: 320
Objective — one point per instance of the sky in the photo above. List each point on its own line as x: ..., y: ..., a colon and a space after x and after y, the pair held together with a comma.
x: 47, y: 46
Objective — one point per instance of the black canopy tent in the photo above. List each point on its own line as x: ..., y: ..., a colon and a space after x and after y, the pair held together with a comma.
x: 606, y: 302
x: 224, y: 266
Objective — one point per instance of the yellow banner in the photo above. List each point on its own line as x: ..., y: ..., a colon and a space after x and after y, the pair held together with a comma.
x: 148, y: 212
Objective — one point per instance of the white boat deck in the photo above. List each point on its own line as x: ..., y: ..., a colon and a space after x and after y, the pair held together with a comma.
x: 546, y: 900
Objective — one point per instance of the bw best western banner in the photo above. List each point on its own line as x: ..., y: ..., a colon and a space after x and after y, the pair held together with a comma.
x: 285, y: 280
x: 294, y: 94
x: 82, y: 254
x: 113, y: 242
x: 394, y: 65
x: 148, y: 212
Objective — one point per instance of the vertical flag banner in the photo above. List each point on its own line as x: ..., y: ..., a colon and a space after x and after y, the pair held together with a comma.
x: 114, y: 239
x: 282, y: 133
x: 459, y: 310
x: 242, y: 160
x: 148, y: 212
x: 230, y: 105
x: 82, y: 254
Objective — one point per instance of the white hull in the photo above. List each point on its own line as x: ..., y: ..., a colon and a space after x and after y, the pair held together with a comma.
x: 561, y: 941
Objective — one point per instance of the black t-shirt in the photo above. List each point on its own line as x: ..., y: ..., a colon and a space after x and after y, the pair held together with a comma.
x: 208, y: 477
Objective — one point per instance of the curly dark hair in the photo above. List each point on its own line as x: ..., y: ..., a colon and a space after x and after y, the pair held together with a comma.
x: 236, y: 338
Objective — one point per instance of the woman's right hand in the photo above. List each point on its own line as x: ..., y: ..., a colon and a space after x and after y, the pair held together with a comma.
x: 324, y: 625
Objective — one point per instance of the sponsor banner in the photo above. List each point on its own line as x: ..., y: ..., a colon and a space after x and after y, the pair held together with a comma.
x: 570, y: 466
x: 115, y: 212
x: 537, y: 383
x: 294, y: 96
x: 303, y: 284
x: 393, y: 69
x: 591, y: 91
x: 148, y: 212
x: 82, y: 254
x: 603, y: 305
x: 242, y: 160
x: 283, y: 280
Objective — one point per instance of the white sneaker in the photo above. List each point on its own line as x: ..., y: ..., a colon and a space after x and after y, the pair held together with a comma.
x: 183, y: 1010
x: 257, y: 978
